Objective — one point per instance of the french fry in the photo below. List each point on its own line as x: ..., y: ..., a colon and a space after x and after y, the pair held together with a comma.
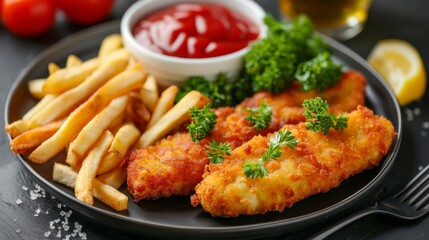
x: 35, y: 88
x: 114, y: 178
x: 131, y: 62
x: 52, y: 67
x: 46, y: 100
x: 73, y: 61
x: 92, y: 131
x: 116, y: 123
x: 124, y: 139
x: 29, y: 140
x: 137, y: 112
x: 110, y: 196
x: 172, y: 119
x: 120, y: 85
x: 17, y: 128
x: 68, y: 78
x: 65, y: 102
x: 64, y: 174
x: 105, y: 193
x: 110, y: 44
x: 137, y: 67
x: 165, y: 102
x: 149, y: 93
x: 120, y: 53
x: 85, y: 178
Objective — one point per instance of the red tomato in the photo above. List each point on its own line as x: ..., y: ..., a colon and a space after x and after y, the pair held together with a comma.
x: 86, y: 12
x: 28, y: 17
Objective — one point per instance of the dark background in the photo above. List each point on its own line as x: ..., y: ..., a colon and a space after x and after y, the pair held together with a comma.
x: 31, y: 219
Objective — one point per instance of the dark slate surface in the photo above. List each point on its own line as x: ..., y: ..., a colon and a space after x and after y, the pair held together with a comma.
x: 24, y: 218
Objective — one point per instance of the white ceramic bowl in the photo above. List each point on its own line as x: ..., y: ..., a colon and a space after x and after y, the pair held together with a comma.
x: 170, y: 70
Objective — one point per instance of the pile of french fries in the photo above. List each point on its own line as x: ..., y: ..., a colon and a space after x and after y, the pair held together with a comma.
x: 97, y: 110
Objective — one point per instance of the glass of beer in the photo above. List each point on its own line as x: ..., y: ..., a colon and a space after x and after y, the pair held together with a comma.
x: 340, y: 19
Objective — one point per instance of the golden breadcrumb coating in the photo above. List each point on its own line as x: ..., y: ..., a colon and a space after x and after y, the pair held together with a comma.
x: 174, y: 165
x: 318, y: 163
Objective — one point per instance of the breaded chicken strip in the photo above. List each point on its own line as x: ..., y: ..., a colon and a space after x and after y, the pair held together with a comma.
x: 233, y: 128
x: 317, y: 164
x: 174, y: 165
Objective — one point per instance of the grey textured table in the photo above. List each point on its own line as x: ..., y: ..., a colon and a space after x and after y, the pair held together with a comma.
x: 27, y: 213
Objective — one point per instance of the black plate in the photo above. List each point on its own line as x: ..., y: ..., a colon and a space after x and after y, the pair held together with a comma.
x: 173, y: 217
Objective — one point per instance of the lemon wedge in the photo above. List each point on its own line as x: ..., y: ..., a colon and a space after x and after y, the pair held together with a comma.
x: 402, y: 67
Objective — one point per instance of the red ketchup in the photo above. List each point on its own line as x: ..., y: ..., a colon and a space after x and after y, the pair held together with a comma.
x: 195, y: 30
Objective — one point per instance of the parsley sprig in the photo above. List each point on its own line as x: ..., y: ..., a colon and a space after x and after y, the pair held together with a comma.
x: 318, y: 118
x: 203, y: 122
x: 271, y: 63
x: 260, y: 117
x: 318, y: 73
x: 220, y: 91
x: 216, y: 152
x: 257, y: 169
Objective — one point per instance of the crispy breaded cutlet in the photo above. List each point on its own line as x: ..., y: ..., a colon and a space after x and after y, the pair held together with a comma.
x: 318, y: 163
x: 174, y: 165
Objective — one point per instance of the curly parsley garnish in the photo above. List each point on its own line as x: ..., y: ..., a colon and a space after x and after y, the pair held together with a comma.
x: 257, y: 169
x: 271, y: 63
x: 260, y: 117
x: 217, y: 152
x: 203, y: 122
x: 318, y: 73
x: 220, y: 91
x: 318, y: 118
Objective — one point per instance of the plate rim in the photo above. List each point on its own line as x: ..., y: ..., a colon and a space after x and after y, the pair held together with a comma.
x: 251, y: 228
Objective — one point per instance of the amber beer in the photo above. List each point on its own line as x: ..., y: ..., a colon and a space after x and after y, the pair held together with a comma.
x: 339, y: 18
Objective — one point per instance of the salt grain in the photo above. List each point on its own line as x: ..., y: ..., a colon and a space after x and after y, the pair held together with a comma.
x: 66, y: 227
x: 78, y: 230
x: 18, y: 230
x: 34, y: 195
x: 77, y: 227
x: 24, y: 188
x: 18, y: 201
x: 64, y: 230
x: 409, y: 114
x: 425, y: 125
x: 59, y: 227
x: 420, y: 168
x: 416, y: 111
x: 65, y: 224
